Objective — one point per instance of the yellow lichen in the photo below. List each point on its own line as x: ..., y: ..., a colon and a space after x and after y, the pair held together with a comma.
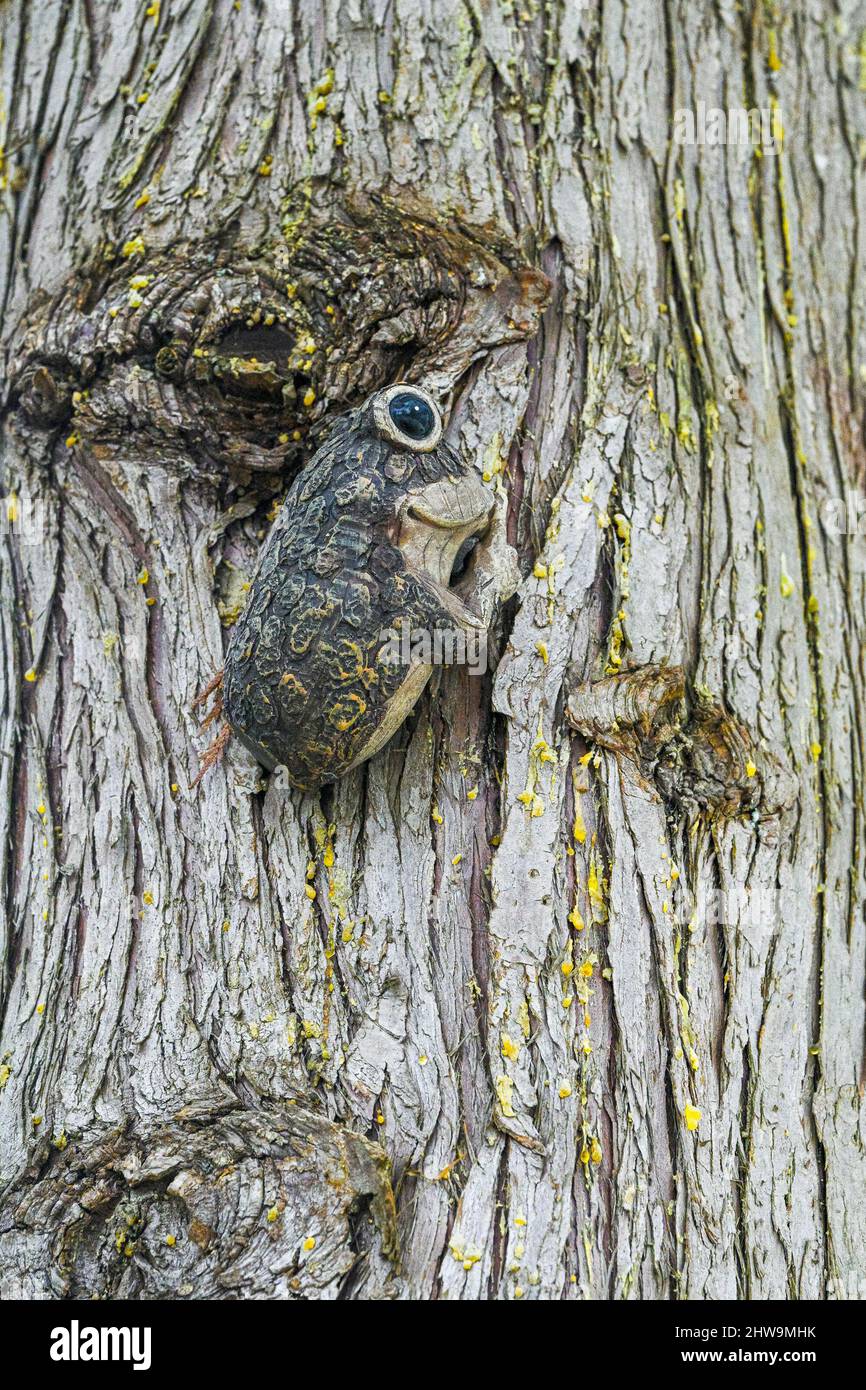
x: 504, y: 1092
x: 510, y: 1049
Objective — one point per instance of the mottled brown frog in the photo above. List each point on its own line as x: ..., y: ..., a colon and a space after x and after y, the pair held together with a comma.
x: 364, y: 544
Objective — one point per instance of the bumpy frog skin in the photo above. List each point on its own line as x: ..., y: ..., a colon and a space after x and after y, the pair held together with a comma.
x: 364, y: 543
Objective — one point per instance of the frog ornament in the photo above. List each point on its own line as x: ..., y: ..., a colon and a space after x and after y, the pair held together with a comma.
x: 367, y: 544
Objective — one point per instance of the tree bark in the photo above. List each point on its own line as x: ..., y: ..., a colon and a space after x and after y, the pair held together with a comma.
x: 577, y: 1009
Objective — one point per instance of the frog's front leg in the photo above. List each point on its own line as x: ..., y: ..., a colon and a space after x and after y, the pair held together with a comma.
x: 430, y: 606
x: 492, y: 572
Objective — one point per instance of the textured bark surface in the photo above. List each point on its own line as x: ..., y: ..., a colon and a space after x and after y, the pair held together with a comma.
x: 471, y: 1067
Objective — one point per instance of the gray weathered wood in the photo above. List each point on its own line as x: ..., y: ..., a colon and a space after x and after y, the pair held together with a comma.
x: 512, y: 995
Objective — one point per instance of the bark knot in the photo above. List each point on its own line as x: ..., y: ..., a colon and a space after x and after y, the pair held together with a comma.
x: 222, y: 352
x: 701, y: 759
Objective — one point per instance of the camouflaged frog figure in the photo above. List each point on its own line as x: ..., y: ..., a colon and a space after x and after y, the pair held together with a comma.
x: 364, y: 544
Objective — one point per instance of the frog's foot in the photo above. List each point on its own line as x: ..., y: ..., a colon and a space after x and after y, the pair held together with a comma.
x: 217, y: 748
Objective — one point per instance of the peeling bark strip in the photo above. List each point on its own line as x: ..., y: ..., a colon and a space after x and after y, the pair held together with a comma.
x: 493, y: 956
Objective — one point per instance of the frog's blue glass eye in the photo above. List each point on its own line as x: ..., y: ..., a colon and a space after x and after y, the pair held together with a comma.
x: 412, y: 415
x: 408, y: 418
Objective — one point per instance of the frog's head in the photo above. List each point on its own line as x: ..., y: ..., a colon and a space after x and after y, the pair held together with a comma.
x: 444, y: 504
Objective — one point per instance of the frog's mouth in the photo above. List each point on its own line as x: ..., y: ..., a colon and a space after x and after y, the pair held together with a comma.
x: 435, y: 530
x: 477, y: 525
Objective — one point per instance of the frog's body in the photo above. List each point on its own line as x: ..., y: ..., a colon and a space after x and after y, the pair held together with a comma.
x: 364, y: 544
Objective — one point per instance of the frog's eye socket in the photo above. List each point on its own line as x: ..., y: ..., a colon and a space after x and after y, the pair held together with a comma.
x: 409, y: 417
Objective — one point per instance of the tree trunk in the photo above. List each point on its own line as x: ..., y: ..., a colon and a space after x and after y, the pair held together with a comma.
x: 576, y: 1009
